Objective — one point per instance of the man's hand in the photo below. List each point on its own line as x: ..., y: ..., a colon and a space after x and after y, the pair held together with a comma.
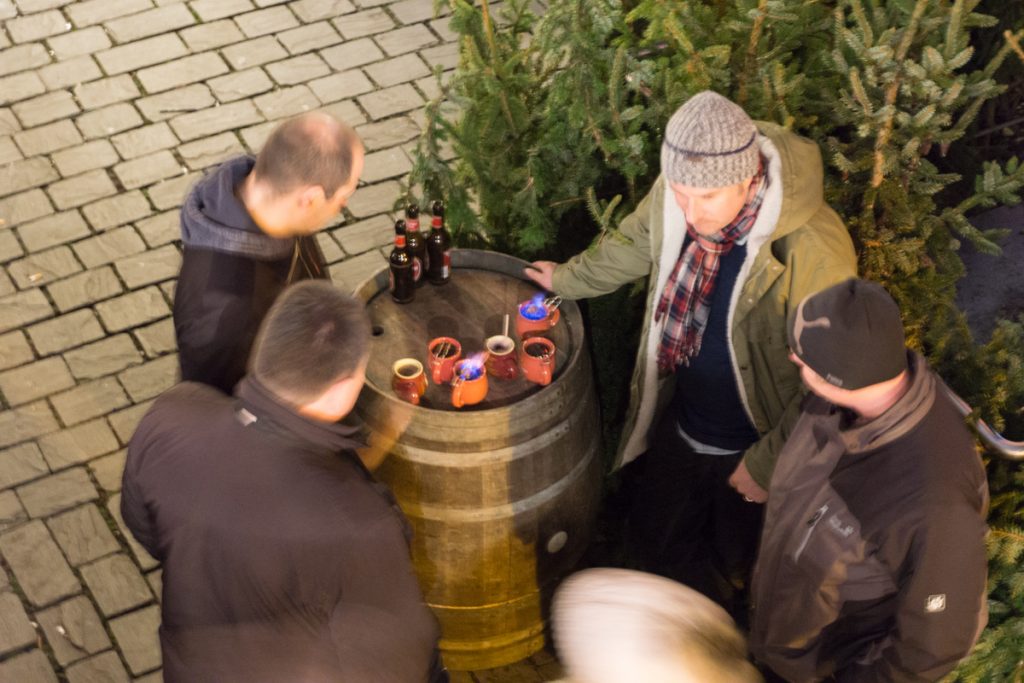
x: 746, y: 486
x: 380, y: 443
x: 541, y: 272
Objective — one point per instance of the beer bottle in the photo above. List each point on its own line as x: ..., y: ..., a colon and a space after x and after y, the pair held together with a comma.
x: 438, y: 248
x: 416, y: 245
x: 402, y: 286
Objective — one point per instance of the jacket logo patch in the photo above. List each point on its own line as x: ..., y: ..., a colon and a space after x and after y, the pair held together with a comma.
x: 837, y: 525
x: 245, y: 417
x: 935, y: 603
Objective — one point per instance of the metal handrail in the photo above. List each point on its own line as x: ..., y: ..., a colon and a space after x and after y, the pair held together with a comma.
x: 1003, y: 447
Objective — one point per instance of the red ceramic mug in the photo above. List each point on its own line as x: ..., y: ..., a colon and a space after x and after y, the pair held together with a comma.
x: 470, y: 383
x: 442, y: 354
x: 501, y: 357
x: 537, y: 359
x: 408, y: 380
x: 535, y: 316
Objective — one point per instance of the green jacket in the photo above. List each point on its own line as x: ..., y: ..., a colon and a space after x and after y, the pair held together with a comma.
x: 798, y: 246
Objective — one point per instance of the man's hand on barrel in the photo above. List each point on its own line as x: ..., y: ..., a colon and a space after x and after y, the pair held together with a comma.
x: 380, y: 443
x: 541, y: 272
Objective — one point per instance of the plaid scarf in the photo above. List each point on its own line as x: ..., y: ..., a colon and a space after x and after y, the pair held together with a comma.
x: 687, y: 294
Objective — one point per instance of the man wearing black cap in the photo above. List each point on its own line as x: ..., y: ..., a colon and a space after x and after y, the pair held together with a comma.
x: 872, y: 559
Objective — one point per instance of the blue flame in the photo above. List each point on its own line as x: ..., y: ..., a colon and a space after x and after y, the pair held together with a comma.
x: 534, y: 309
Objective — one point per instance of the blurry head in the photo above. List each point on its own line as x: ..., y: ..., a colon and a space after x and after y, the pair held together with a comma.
x: 312, y: 348
x: 616, y: 625
x: 310, y: 164
x: 708, y: 157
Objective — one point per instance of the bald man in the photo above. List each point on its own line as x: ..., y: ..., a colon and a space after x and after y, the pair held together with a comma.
x: 247, y: 230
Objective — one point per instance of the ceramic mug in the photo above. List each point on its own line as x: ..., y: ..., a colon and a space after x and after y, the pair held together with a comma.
x: 470, y: 383
x: 537, y: 359
x: 408, y: 380
x: 535, y: 316
x: 501, y: 357
x: 442, y: 354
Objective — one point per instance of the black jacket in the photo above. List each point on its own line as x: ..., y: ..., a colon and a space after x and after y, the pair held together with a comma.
x: 872, y: 563
x: 283, y: 559
x: 231, y: 273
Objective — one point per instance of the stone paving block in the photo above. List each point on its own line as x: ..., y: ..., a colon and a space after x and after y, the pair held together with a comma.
x: 84, y: 289
x: 14, y: 350
x: 372, y: 233
x: 136, y: 636
x: 48, y: 138
x: 132, y: 309
x: 6, y: 286
x: 215, y: 120
x: 239, y: 84
x: 81, y: 189
x: 209, y: 10
x: 156, y: 676
x: 22, y: 58
x: 170, y: 104
x: 147, y: 170
x: 149, y: 267
x: 443, y: 28
x: 144, y: 140
x: 22, y: 175
x: 78, y: 444
x: 20, y: 464
x: 315, y: 10
x: 124, y: 423
x: 88, y: 157
x: 150, y: 379
x: 15, y: 628
x: 254, y: 52
x: 149, y: 23
x: 23, y: 308
x: 384, y: 134
x: 387, y: 163
x: 341, y: 86
x: 207, y: 152
x: 26, y: 422
x: 265, y: 21
x: 29, y: 6
x: 35, y: 380
x: 352, y: 54
x: 156, y: 339
x: 21, y: 208
x: 103, y: 668
x: 181, y: 72
x: 83, y: 534
x: 117, y: 210
x: 46, y: 108
x: 11, y: 515
x: 412, y: 11
x: 398, y: 70
x: 141, y: 53
x: 70, y: 72
x: 350, y: 273
x: 9, y: 151
x: 116, y: 584
x: 306, y: 38
x: 58, y: 492
x: 28, y: 667
x: 156, y: 584
x: 73, y: 629
x: 109, y: 120
x: 365, y: 23
x: 256, y: 136
x: 8, y: 10
x: 105, y: 357
x: 38, y: 565
x: 106, y: 91
x: 212, y: 35
x: 65, y: 332
x: 390, y: 101
x: 162, y: 228
x: 9, y: 249
x: 21, y: 86
x: 97, y: 11
x: 89, y: 400
x: 374, y: 199
x: 42, y: 267
x: 108, y: 470
x: 36, y: 26
x: 168, y: 194
x: 298, y: 69
x: 405, y: 39
x: 77, y: 43
x: 445, y: 56
x: 287, y: 102
x: 109, y: 247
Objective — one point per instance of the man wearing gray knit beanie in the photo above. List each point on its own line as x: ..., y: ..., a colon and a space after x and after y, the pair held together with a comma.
x: 732, y: 235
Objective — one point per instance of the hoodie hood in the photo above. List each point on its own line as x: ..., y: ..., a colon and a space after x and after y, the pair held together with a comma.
x: 214, y: 218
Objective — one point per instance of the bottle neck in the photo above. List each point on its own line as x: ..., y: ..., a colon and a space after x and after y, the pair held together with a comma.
x: 437, y: 222
x: 400, y: 241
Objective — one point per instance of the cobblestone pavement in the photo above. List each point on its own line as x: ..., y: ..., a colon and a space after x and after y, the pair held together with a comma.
x: 109, y: 111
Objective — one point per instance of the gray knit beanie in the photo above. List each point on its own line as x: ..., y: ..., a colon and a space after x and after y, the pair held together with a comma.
x: 709, y: 142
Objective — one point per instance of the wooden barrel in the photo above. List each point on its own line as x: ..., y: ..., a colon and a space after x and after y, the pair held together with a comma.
x: 502, y: 495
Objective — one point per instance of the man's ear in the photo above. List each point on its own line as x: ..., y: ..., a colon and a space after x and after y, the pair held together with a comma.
x: 310, y: 196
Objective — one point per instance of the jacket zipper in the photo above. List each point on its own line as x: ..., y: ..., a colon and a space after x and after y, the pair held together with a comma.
x: 811, y: 524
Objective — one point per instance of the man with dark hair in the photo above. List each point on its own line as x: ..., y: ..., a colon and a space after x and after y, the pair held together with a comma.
x: 283, y: 559
x: 872, y: 562
x: 248, y: 230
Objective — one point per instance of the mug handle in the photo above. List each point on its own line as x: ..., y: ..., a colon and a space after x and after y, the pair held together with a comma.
x: 409, y: 395
x: 435, y: 371
x: 545, y: 374
x: 457, y: 392
x: 553, y: 318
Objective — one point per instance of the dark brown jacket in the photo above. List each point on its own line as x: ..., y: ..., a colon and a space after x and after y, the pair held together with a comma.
x: 283, y: 559
x: 872, y: 563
